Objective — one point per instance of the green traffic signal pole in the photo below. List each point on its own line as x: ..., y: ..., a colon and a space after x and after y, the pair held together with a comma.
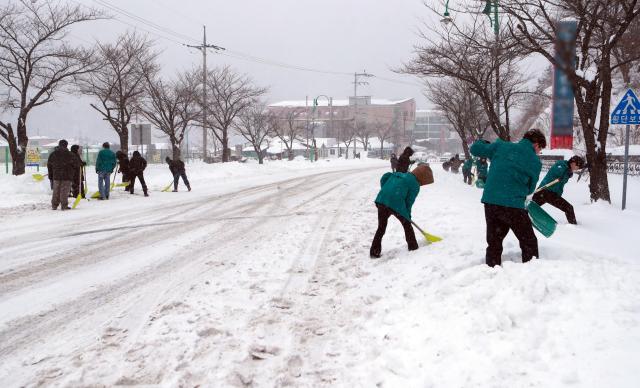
x: 491, y: 5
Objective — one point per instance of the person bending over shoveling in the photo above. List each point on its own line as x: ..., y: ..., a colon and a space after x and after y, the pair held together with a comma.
x: 561, y: 172
x: 515, y: 169
x: 398, y: 192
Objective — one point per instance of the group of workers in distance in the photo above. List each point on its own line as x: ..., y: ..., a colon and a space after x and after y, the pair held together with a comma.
x: 510, y: 181
x: 65, y: 169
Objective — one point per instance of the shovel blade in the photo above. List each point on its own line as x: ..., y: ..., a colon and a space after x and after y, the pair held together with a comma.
x: 541, y: 220
x: 77, y: 201
x: 431, y: 238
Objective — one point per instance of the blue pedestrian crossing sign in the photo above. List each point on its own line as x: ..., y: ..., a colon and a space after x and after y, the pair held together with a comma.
x: 628, y: 110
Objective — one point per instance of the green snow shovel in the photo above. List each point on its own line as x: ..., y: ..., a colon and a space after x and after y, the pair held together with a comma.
x: 540, y: 219
x: 429, y: 237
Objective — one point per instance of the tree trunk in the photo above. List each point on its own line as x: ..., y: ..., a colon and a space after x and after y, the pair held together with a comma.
x: 260, y: 155
x: 315, y: 150
x: 17, y: 156
x: 382, y: 149
x: 175, y: 149
x: 224, y: 143
x: 290, y: 152
x: 465, y: 148
x: 18, y: 146
x: 124, y: 141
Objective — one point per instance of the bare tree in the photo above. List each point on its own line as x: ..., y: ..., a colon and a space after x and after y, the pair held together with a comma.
x: 601, y: 26
x: 348, y: 136
x: 119, y: 83
x: 384, y: 131
x: 171, y: 106
x: 467, y: 53
x: 626, y: 54
x: 36, y: 63
x: 256, y: 124
x: 289, y: 129
x: 232, y: 93
x: 364, y: 132
x: 461, y: 108
x: 535, y: 104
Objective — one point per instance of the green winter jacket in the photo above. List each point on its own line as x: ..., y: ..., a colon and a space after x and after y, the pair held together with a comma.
x: 398, y: 192
x: 468, y: 164
x: 561, y: 171
x: 515, y: 169
x: 106, y: 161
x: 482, y: 170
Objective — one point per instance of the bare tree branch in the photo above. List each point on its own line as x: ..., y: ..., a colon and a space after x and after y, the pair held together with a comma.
x: 36, y: 62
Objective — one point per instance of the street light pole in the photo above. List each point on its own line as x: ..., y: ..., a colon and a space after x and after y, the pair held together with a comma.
x: 355, y: 101
x: 491, y: 5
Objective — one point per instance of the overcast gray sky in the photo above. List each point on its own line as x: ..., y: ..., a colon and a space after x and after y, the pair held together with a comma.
x: 330, y: 35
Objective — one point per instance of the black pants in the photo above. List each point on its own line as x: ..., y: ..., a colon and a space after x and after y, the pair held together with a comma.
x: 501, y: 219
x: 467, y: 176
x: 126, y: 178
x: 132, y: 183
x: 383, y: 216
x: 77, y: 186
x: 553, y: 199
x: 176, y: 178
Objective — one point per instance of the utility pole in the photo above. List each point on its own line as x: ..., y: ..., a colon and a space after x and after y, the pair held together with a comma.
x: 355, y: 101
x: 203, y: 48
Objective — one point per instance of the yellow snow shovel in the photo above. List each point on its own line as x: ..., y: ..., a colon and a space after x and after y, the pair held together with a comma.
x: 38, y: 177
x: 429, y: 237
x: 168, y: 187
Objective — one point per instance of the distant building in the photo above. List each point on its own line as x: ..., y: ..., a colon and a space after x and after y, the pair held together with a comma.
x: 433, y: 131
x: 333, y: 121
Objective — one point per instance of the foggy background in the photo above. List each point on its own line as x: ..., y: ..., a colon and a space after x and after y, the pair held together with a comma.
x: 342, y: 36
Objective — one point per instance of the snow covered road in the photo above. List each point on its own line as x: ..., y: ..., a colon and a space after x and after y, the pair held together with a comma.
x: 83, y: 295
x: 266, y: 281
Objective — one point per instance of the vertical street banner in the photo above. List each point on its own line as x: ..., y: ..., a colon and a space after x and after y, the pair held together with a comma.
x: 562, y: 109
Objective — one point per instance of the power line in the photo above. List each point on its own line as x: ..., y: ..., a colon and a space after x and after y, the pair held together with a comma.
x: 142, y: 20
x: 229, y: 53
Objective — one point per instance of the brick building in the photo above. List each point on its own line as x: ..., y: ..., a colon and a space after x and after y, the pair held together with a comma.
x: 335, y: 119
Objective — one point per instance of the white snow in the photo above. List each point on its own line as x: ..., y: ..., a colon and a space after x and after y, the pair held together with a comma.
x: 260, y: 276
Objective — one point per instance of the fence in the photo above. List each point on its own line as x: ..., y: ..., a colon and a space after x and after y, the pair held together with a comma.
x: 615, y: 163
x: 37, y: 157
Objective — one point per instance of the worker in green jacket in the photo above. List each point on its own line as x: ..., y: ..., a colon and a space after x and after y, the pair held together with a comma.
x: 482, y: 169
x: 561, y: 172
x: 105, y: 163
x: 515, y: 169
x: 467, y: 176
x: 398, y: 192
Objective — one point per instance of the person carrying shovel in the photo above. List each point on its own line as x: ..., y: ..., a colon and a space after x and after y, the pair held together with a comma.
x: 398, y: 192
x: 515, y: 169
x: 560, y: 173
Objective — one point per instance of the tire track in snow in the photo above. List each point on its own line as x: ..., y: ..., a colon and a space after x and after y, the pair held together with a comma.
x: 26, y: 331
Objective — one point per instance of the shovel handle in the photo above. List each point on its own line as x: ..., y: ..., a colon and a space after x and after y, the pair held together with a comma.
x: 553, y: 182
x: 417, y: 227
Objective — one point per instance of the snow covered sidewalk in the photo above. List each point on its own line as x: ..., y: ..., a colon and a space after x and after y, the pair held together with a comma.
x: 264, y: 279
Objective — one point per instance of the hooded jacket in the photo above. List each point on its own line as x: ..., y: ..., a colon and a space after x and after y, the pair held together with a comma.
x: 515, y: 169
x: 398, y: 190
x: 560, y: 171
x: 404, y: 160
x: 137, y: 164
